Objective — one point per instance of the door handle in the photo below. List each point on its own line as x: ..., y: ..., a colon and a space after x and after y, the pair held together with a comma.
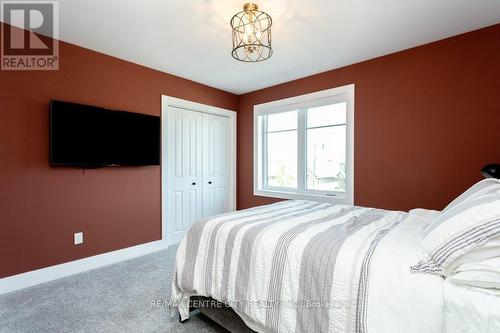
x: 210, y: 182
x: 193, y: 183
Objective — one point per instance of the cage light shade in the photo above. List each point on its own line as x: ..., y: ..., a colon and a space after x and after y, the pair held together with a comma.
x: 251, y: 34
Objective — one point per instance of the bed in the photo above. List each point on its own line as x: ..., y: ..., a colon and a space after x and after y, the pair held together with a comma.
x: 301, y: 266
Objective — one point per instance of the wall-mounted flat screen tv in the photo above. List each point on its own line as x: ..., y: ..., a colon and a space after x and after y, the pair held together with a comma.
x: 89, y: 136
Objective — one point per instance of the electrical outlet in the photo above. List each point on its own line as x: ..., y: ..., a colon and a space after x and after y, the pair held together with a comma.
x: 78, y: 238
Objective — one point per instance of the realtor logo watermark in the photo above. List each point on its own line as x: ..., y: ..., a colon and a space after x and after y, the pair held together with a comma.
x: 30, y: 35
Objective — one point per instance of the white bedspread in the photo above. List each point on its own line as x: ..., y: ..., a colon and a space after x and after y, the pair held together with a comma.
x: 301, y: 266
x: 471, y: 310
x: 401, y: 301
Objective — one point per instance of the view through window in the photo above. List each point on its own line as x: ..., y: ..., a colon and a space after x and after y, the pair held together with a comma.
x: 324, y: 131
x: 326, y: 147
x: 282, y: 149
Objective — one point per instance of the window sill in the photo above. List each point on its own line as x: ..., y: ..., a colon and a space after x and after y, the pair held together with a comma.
x: 344, y: 199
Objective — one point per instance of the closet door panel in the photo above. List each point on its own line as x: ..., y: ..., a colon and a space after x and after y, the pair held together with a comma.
x: 184, y: 170
x: 216, y: 138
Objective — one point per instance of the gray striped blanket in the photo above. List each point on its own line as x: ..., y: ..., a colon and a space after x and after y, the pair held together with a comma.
x: 286, y: 267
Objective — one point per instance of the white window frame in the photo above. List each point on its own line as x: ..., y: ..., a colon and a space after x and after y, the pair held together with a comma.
x: 316, y: 99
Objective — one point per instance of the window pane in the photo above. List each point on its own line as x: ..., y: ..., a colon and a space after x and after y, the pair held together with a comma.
x: 282, y: 121
x: 332, y: 114
x: 282, y: 159
x: 326, y: 154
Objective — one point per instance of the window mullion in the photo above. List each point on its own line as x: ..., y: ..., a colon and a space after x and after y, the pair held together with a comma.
x: 301, y: 150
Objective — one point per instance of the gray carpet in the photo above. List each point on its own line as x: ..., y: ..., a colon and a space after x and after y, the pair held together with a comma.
x: 115, y: 298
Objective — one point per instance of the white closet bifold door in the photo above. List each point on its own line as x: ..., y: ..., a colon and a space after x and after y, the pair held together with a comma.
x: 185, y: 175
x: 216, y: 145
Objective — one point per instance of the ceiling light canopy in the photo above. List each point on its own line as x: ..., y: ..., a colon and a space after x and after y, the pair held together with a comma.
x: 251, y: 34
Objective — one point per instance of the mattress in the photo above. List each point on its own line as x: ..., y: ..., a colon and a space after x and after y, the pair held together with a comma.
x: 300, y: 266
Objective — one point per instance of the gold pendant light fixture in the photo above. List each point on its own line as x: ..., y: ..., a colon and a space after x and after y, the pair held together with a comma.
x: 251, y: 34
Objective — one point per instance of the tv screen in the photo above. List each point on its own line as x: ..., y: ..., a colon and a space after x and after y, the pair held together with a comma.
x: 89, y: 136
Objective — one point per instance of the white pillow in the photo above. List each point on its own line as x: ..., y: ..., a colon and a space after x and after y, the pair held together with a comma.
x: 483, y: 187
x: 461, y: 235
x: 482, y: 274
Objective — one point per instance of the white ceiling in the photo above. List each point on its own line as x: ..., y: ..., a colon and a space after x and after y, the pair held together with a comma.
x: 192, y: 39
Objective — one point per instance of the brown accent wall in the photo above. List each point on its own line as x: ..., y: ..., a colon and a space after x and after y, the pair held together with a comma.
x: 426, y: 120
x: 41, y: 207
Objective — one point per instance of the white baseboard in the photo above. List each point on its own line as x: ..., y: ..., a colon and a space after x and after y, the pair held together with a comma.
x: 38, y: 276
